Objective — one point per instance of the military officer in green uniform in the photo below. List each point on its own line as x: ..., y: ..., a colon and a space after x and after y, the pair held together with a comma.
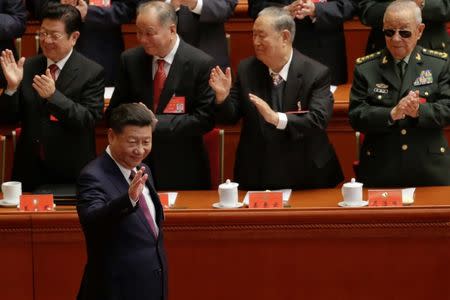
x: 400, y: 101
x: 435, y: 15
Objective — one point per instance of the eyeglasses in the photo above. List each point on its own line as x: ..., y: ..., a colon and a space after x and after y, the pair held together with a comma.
x: 406, y: 34
x: 54, y: 36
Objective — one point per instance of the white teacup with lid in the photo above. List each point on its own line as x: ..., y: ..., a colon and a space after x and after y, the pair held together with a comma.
x: 228, y: 194
x: 352, y: 192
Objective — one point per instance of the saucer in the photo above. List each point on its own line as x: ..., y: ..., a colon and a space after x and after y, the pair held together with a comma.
x: 8, y: 203
x: 218, y: 205
x: 357, y: 204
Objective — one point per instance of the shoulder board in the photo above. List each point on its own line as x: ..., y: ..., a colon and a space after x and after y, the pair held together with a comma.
x: 369, y: 57
x: 435, y: 53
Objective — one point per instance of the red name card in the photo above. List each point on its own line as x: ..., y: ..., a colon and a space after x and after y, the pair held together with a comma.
x: 265, y: 200
x: 164, y: 198
x: 38, y: 202
x: 385, y: 197
x: 100, y: 3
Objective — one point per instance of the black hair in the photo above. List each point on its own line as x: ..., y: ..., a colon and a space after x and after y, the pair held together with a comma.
x: 68, y: 14
x: 129, y: 114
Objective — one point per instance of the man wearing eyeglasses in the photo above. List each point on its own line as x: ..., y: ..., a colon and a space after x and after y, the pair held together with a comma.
x: 400, y: 101
x: 57, y: 97
x: 435, y: 15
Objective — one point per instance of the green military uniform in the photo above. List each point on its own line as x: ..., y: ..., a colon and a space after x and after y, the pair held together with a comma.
x: 435, y: 15
x: 411, y: 151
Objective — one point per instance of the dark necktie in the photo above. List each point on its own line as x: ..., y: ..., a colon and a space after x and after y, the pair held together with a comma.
x: 53, y: 68
x: 401, y: 66
x: 142, y: 205
x: 158, y: 83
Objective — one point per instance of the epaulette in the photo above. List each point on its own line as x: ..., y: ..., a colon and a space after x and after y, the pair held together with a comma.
x: 369, y: 57
x: 435, y: 53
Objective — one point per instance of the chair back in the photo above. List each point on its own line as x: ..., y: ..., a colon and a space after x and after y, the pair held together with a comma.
x: 214, y: 142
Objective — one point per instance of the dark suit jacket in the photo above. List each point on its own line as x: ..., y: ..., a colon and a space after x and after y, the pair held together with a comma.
x: 409, y: 152
x: 300, y: 156
x: 67, y: 144
x: 207, y: 30
x: 178, y: 159
x: 322, y: 40
x: 125, y: 260
x: 435, y: 15
x: 101, y: 34
x: 13, y: 18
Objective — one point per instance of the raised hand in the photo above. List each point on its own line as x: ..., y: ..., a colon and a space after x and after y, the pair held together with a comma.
x: 220, y: 82
x: 12, y: 70
x: 264, y: 109
x: 137, y: 184
x: 44, y: 85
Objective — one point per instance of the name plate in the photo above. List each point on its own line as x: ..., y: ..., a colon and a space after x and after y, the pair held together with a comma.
x: 38, y: 202
x: 266, y: 200
x: 379, y: 198
x: 100, y: 3
x: 164, y: 198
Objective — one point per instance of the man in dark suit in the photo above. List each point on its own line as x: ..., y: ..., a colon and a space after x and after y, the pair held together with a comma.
x: 58, y: 97
x: 201, y: 23
x: 101, y: 32
x: 121, y: 214
x: 13, y: 19
x: 400, y: 100
x: 285, y: 101
x: 319, y: 30
x: 171, y: 77
x: 435, y: 15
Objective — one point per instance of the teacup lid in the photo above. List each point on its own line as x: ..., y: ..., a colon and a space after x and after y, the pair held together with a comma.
x: 228, y: 185
x: 353, y: 183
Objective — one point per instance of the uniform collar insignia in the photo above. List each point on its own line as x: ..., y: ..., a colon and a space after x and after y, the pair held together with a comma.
x: 384, y: 60
x: 418, y: 57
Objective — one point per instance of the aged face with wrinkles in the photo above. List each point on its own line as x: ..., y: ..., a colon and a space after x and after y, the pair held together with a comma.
x: 156, y: 38
x: 404, y: 20
x: 269, y: 44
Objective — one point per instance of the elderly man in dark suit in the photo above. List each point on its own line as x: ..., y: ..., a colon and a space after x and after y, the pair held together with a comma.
x: 319, y: 30
x: 121, y: 214
x: 400, y: 100
x: 13, y: 19
x: 201, y: 23
x: 285, y: 101
x: 171, y: 77
x: 57, y: 96
x: 435, y: 15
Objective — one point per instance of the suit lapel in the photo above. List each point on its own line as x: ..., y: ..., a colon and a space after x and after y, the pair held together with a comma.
x: 145, y: 76
x: 388, y: 67
x: 68, y: 73
x: 173, y: 78
x: 293, y: 84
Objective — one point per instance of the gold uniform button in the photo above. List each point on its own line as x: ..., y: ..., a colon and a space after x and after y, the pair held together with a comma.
x: 379, y: 97
x: 426, y: 93
x: 368, y: 153
x: 404, y: 147
x: 403, y: 132
x: 442, y: 149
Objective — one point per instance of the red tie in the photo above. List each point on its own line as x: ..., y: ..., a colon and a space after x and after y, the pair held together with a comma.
x: 145, y: 210
x: 158, y: 83
x: 53, y: 68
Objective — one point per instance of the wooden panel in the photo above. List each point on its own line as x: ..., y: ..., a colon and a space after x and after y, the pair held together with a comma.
x: 16, y: 267
x: 59, y: 256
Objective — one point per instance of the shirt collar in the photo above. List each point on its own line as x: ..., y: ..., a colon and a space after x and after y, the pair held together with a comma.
x: 126, y: 172
x: 61, y: 62
x: 406, y: 59
x: 171, y: 55
x: 284, y: 71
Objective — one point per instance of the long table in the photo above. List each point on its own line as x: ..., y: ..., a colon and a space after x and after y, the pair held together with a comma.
x: 311, y: 250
